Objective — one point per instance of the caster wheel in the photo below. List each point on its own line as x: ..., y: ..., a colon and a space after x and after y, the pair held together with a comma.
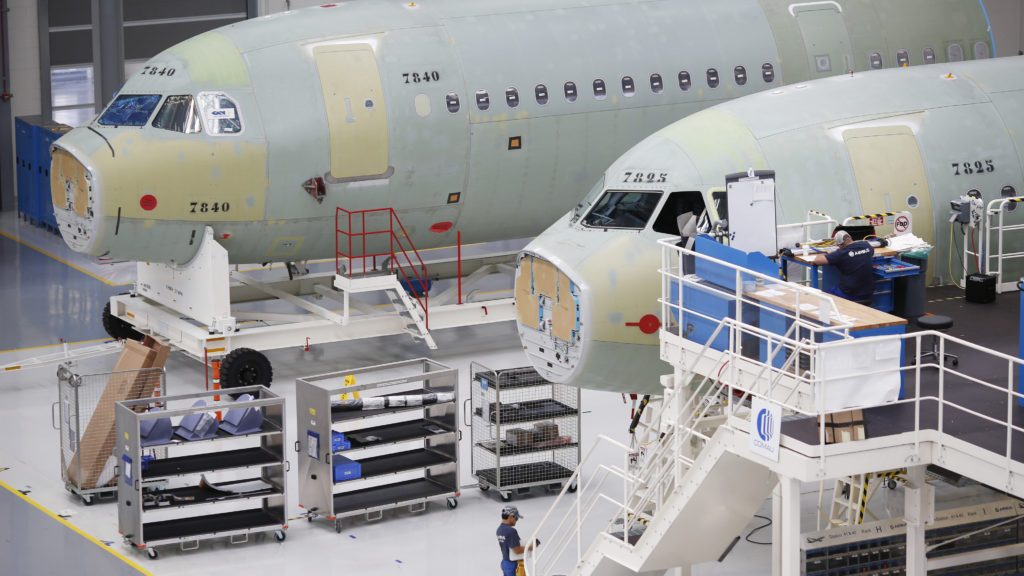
x: 309, y: 519
x: 891, y: 484
x: 954, y: 362
x: 87, y: 500
x: 279, y: 535
x: 485, y: 487
x: 572, y: 487
x: 337, y: 526
x: 152, y: 553
x: 452, y: 503
x: 505, y: 496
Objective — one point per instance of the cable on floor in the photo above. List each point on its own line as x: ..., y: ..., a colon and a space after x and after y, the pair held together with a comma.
x: 767, y: 523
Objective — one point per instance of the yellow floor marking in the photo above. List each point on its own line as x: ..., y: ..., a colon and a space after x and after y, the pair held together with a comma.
x: 52, y: 345
x: 61, y: 260
x: 95, y: 541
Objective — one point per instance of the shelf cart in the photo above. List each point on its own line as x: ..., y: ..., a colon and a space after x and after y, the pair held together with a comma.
x: 525, y: 430
x: 77, y: 410
x: 229, y: 485
x: 403, y: 454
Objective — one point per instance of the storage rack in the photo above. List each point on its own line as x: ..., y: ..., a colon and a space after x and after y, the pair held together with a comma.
x: 526, y: 430
x: 188, y: 509
x: 407, y: 455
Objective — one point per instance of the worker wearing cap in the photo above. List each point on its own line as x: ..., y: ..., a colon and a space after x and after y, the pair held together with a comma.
x: 853, y: 261
x: 512, y: 548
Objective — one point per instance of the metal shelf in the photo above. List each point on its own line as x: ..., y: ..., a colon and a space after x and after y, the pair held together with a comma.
x: 509, y: 450
x: 340, y: 415
x: 389, y: 496
x: 179, y: 497
x: 395, y: 433
x: 269, y: 429
x: 210, y: 462
x: 211, y: 525
x: 398, y: 462
x: 525, y: 474
x: 530, y: 411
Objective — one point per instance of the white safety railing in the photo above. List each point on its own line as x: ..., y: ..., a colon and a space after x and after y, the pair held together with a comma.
x: 712, y: 387
x: 996, y: 250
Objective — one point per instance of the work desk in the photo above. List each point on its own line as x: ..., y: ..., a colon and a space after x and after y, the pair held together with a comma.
x: 861, y: 317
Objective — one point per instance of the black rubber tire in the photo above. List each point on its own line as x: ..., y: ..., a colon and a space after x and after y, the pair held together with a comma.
x: 485, y: 487
x: 245, y: 367
x: 152, y: 553
x: 572, y: 487
x: 505, y: 497
x: 280, y: 535
x: 452, y: 503
x: 118, y: 329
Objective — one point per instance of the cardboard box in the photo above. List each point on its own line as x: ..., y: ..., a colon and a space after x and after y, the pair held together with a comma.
x: 847, y: 426
x: 97, y: 442
x: 545, y: 431
x: 519, y: 437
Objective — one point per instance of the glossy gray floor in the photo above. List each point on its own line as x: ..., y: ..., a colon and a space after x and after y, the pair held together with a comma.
x: 48, y: 293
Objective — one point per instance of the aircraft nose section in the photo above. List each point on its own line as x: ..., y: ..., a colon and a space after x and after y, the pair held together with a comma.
x: 550, y: 307
x: 75, y: 199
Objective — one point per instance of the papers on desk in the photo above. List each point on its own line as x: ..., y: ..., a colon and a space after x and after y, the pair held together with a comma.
x: 907, y: 242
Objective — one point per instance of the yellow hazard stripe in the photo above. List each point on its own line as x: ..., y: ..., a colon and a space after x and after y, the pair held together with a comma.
x: 88, y: 537
x: 61, y: 260
x: 52, y: 345
x: 879, y: 215
x: 819, y: 213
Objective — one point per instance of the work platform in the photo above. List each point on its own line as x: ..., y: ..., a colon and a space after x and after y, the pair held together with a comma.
x: 740, y: 420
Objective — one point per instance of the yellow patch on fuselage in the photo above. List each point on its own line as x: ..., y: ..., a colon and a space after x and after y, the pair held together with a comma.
x: 213, y: 60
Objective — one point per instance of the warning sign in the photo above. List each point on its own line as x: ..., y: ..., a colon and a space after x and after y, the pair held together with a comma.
x: 902, y: 224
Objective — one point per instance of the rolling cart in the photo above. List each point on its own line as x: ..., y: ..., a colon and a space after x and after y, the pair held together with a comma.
x: 526, y: 430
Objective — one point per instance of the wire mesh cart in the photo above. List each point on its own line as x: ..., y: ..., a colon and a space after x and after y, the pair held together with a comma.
x: 85, y: 418
x: 224, y: 472
x: 526, y: 430
x: 377, y: 438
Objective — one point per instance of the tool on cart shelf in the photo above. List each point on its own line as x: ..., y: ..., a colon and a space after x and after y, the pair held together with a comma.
x: 526, y: 430
x: 398, y: 430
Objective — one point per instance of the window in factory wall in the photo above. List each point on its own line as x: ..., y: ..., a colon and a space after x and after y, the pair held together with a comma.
x: 929, y: 56
x: 72, y: 94
x: 483, y: 100
x: 178, y: 114
x: 657, y: 86
x: 570, y: 91
x: 684, y: 80
x: 767, y: 73
x: 451, y: 100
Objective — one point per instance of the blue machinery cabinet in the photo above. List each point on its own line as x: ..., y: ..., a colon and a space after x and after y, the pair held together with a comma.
x: 32, y: 142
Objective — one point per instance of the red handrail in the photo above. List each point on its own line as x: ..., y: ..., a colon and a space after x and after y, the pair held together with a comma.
x: 405, y: 265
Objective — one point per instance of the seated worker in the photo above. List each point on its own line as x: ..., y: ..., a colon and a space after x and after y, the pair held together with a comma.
x: 853, y: 261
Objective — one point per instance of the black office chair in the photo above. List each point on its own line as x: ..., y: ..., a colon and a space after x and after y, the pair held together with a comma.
x: 937, y: 322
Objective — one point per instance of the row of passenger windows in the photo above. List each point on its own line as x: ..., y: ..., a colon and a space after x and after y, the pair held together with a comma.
x: 600, y: 88
x: 954, y: 53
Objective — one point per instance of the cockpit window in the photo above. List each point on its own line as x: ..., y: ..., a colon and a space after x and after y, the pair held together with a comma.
x: 622, y: 209
x: 219, y: 112
x: 130, y: 110
x: 178, y: 114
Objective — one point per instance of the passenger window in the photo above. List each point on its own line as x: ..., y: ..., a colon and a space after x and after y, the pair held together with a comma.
x: 541, y: 92
x: 130, y: 110
x: 599, y: 89
x: 219, y: 112
x: 684, y: 80
x: 981, y: 51
x: 512, y: 97
x: 1008, y: 192
x: 712, y: 78
x: 178, y: 114
x: 876, y: 60
x: 768, y: 73
x: 679, y: 204
x: 740, y: 73
x: 570, y: 91
x: 622, y: 209
x: 451, y: 100
x: 929, y: 56
x: 955, y: 53
x: 657, y: 86
x: 902, y: 58
x: 628, y: 88
x: 483, y: 100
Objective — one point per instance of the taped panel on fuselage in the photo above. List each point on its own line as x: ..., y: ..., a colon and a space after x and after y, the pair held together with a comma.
x: 564, y: 314
x: 526, y: 302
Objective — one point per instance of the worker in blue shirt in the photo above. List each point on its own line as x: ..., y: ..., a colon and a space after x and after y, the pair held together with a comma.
x: 853, y: 261
x: 512, y: 549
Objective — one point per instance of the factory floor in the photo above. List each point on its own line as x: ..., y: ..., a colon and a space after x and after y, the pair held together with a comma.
x: 48, y: 295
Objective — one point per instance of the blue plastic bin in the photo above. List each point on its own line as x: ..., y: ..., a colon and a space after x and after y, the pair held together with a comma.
x: 345, y: 469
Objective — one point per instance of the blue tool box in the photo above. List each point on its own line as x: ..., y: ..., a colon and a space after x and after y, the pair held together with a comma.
x: 345, y: 469
x: 338, y: 442
x: 889, y: 267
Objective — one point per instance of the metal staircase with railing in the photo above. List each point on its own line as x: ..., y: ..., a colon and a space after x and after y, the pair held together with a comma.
x: 690, y: 482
